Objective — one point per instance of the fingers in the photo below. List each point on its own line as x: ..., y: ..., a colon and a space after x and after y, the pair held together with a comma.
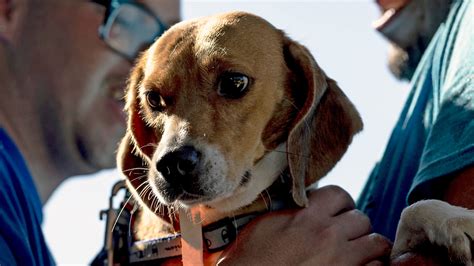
x: 331, y: 200
x: 375, y: 263
x: 328, y: 232
x: 353, y: 224
x: 371, y: 248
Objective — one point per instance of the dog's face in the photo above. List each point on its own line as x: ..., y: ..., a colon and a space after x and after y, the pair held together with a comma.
x: 212, y: 99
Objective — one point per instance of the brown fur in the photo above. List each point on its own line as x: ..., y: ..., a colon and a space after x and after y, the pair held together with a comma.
x: 290, y: 100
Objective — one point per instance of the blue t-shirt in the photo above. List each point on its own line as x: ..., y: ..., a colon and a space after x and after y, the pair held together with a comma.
x: 21, y: 238
x: 434, y: 135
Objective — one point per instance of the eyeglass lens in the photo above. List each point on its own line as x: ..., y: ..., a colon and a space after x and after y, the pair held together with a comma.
x: 130, y: 28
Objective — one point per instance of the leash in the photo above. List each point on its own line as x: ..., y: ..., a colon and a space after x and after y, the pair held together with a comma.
x: 120, y: 249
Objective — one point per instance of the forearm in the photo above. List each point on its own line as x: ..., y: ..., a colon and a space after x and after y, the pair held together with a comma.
x: 460, y: 191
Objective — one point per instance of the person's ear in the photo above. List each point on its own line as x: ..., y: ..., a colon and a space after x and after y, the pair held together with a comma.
x: 9, y: 16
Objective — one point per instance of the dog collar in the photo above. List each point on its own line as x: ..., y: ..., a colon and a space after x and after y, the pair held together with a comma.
x: 120, y: 248
x: 216, y: 236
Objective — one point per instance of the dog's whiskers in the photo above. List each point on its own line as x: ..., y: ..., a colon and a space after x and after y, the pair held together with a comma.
x: 286, y: 152
x: 135, y: 168
x: 235, y: 223
x: 138, y: 177
x: 292, y: 104
x: 298, y: 109
x: 144, y: 190
x: 173, y: 210
x: 162, y: 209
x: 156, y: 206
x: 153, y: 145
x: 143, y: 169
x: 282, y: 176
x: 264, y: 200
x: 151, y: 195
x: 120, y: 213
x: 152, y: 198
x: 201, y: 221
x: 140, y: 186
x: 152, y: 206
x: 155, y: 202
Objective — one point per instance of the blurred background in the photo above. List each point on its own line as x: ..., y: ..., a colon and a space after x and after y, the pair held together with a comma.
x: 340, y: 36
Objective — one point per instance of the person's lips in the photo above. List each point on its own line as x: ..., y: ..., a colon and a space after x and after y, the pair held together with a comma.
x: 383, y: 20
x: 392, y: 4
x: 389, y: 10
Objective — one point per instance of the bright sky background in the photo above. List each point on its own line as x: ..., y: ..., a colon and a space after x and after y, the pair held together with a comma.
x: 339, y: 35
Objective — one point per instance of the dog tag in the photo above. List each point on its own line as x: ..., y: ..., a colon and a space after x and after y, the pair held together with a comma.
x: 191, y: 237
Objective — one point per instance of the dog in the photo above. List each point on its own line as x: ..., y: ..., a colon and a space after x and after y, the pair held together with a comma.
x: 219, y: 108
x: 227, y: 109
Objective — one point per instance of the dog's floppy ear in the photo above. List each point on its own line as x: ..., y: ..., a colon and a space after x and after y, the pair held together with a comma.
x: 136, y: 148
x: 325, y: 123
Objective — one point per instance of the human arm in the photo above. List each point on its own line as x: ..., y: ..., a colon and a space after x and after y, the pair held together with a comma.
x: 460, y: 191
x: 446, y: 169
x: 327, y: 232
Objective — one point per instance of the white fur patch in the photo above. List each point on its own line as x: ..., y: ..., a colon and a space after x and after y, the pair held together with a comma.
x: 175, y: 134
x: 265, y: 172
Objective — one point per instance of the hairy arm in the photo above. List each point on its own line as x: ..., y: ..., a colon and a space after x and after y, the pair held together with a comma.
x: 460, y: 191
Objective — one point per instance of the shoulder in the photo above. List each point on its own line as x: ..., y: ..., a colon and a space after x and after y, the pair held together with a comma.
x: 449, y: 147
x: 459, y: 51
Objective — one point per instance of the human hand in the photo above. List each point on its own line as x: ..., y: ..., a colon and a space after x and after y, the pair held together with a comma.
x: 419, y: 259
x: 328, y: 232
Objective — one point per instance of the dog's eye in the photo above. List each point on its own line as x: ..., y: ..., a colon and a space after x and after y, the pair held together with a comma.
x: 154, y: 100
x: 232, y: 85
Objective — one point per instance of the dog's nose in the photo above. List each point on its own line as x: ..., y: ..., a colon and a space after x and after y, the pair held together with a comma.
x: 178, y: 164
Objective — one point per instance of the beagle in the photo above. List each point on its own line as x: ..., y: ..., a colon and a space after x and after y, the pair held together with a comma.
x: 219, y: 109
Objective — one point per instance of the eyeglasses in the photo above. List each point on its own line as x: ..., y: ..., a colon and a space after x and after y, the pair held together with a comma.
x: 129, y: 27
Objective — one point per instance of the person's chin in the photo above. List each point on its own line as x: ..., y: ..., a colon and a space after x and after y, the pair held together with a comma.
x: 402, y: 62
x: 96, y: 157
x: 98, y: 163
x: 102, y: 162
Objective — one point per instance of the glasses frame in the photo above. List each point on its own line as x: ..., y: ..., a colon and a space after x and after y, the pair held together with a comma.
x: 111, y: 6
